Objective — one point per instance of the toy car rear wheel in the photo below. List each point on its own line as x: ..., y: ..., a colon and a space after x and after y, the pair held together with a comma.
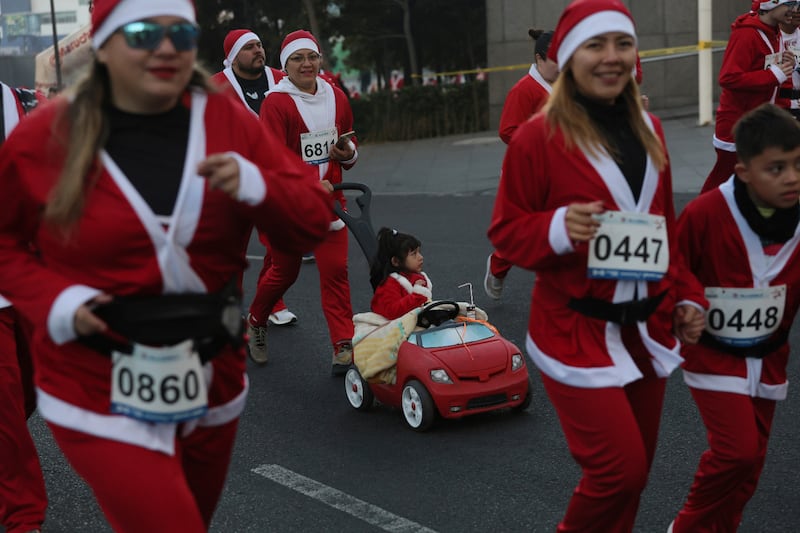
x: 417, y: 406
x: 357, y: 390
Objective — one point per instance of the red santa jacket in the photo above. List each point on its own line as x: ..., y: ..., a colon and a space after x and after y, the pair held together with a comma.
x: 120, y: 247
x: 540, y: 178
x: 722, y: 251
x: 524, y: 99
x: 13, y: 111
x: 225, y: 81
x: 745, y: 82
x: 286, y: 110
x: 400, y: 293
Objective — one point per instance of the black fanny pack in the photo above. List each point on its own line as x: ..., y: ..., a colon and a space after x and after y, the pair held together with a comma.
x: 759, y: 351
x: 622, y: 313
x: 210, y: 320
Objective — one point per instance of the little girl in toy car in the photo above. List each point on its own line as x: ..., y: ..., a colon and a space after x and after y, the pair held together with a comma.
x: 396, y: 275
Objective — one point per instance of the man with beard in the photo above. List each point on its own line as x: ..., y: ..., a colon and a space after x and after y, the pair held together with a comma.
x: 246, y: 72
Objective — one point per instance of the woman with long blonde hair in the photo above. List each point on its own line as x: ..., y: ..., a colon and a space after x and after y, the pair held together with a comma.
x: 128, y: 205
x: 585, y: 200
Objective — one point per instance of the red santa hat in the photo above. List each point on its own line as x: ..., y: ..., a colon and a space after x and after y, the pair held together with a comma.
x: 234, y: 42
x: 298, y: 40
x: 110, y: 15
x: 584, y: 19
x: 772, y: 4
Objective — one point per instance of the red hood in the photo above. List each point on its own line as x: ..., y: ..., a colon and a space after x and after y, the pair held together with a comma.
x: 475, y: 360
x: 751, y: 20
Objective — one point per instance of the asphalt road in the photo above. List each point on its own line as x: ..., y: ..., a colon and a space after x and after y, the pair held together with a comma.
x: 306, y: 461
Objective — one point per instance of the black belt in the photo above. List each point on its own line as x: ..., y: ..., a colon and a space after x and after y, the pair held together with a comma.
x: 791, y: 94
x: 210, y: 320
x: 622, y: 313
x: 759, y: 351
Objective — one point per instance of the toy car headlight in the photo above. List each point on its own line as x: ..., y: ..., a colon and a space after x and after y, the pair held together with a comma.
x: 517, y: 362
x: 439, y: 375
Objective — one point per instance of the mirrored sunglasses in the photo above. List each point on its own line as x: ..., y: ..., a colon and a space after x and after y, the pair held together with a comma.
x: 143, y: 35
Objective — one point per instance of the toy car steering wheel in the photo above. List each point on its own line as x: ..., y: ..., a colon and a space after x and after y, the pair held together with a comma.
x: 435, y: 313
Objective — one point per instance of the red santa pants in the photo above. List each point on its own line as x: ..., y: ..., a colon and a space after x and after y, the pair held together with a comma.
x: 611, y: 433
x: 331, y: 257
x: 23, y: 500
x: 723, y: 169
x: 142, y: 490
x: 738, y: 429
x: 265, y: 266
x: 498, y: 265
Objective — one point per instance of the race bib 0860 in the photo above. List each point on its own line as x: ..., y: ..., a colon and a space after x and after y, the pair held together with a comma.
x: 159, y: 384
x: 629, y: 246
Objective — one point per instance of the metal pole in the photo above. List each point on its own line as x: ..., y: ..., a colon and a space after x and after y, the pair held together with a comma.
x: 705, y: 87
x: 56, y: 51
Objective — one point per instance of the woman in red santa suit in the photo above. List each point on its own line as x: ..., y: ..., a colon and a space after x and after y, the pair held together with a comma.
x: 524, y: 99
x: 311, y: 117
x: 585, y: 200
x: 138, y: 193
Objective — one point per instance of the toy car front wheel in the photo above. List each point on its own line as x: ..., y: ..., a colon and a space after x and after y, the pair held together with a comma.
x: 417, y: 405
x: 357, y: 390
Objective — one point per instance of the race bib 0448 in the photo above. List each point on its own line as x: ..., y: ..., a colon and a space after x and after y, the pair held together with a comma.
x: 744, y: 317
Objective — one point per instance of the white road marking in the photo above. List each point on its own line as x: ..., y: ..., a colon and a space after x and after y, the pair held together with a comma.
x: 362, y: 510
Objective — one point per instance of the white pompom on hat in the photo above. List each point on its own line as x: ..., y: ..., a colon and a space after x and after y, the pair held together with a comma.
x: 234, y: 42
x: 584, y: 19
x: 110, y: 15
x: 298, y: 40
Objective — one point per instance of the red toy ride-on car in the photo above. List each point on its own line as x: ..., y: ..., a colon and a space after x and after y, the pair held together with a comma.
x: 450, y: 365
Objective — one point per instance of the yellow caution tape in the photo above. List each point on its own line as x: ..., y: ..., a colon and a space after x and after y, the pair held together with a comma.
x: 657, y: 52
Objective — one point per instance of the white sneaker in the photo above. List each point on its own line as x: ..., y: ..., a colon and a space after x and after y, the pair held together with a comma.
x: 492, y: 285
x: 284, y: 317
x: 257, y: 343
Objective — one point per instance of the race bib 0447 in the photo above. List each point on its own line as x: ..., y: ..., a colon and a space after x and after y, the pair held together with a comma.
x: 629, y: 246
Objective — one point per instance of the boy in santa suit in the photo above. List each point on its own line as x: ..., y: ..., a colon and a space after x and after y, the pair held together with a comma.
x: 754, y: 66
x: 247, y: 76
x: 742, y: 242
x: 310, y: 115
x: 585, y: 201
x: 23, y: 500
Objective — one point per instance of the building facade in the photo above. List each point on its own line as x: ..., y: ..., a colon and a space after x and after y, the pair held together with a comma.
x: 671, y: 84
x: 26, y: 26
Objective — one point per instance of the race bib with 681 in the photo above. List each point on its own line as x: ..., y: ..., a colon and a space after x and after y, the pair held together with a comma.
x: 744, y: 317
x: 629, y: 246
x: 315, y: 146
x: 159, y: 384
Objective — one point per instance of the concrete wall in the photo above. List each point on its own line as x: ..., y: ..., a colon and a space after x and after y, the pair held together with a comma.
x: 670, y: 84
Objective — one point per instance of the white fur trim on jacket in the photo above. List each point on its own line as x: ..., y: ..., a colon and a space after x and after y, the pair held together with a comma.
x: 403, y: 281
